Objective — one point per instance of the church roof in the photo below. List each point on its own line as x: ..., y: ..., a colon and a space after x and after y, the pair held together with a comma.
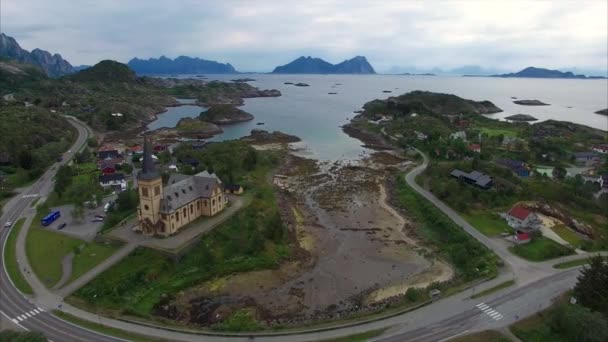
x: 148, y: 170
x: 183, y: 189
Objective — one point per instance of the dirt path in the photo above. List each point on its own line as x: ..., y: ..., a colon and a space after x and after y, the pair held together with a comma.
x: 66, y: 270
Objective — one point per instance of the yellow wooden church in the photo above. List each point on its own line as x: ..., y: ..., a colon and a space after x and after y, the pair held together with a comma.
x: 163, y: 210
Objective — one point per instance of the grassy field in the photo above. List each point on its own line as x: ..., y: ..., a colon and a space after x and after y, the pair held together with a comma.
x: 103, y: 329
x: 494, y: 289
x: 540, y: 249
x: 487, y: 223
x: 90, y: 256
x: 362, y: 337
x: 568, y: 235
x: 483, y: 336
x: 46, y: 248
x: 10, y: 260
x: 573, y: 263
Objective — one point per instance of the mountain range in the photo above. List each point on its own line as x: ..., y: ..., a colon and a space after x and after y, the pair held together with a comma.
x: 53, y: 65
x: 310, y: 65
x: 532, y: 72
x: 180, y: 65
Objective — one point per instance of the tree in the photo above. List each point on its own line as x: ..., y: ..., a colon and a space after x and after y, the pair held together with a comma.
x: 577, y: 323
x: 26, y: 159
x: 127, y: 168
x: 559, y: 173
x: 127, y: 200
x: 63, y: 179
x: 250, y: 160
x: 92, y: 142
x: 591, y: 290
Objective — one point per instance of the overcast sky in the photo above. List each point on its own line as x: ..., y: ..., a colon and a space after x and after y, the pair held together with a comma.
x: 258, y: 35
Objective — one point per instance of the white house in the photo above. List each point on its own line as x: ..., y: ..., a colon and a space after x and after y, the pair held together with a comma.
x: 522, y: 219
x: 459, y: 135
x: 113, y: 179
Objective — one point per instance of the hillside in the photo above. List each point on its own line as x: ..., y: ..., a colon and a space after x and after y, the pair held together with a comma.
x: 225, y: 114
x: 424, y: 102
x: 532, y: 72
x: 309, y: 65
x: 105, y: 71
x: 14, y: 74
x: 53, y: 65
x: 180, y: 65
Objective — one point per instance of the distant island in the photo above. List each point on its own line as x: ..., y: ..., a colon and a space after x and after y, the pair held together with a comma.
x: 521, y: 117
x: 530, y: 103
x: 532, y: 72
x: 52, y: 65
x: 180, y: 65
x: 602, y: 112
x: 310, y: 65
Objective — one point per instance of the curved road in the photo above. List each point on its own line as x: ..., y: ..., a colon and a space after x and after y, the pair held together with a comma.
x: 448, y: 317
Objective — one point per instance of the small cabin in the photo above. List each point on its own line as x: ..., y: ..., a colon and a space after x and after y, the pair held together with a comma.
x: 235, y: 189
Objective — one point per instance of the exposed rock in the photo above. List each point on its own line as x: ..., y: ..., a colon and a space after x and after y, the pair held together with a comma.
x: 260, y: 136
x: 521, y: 117
x: 530, y: 103
x: 301, y: 85
x: 225, y: 114
x: 53, y: 65
x: 241, y: 80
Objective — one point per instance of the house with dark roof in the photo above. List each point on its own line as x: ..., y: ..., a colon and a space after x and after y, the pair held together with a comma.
x: 603, y: 180
x: 164, y: 210
x: 518, y: 167
x: 475, y: 178
x: 233, y: 189
x: 113, y: 179
x: 107, y: 154
x: 587, y: 158
x: 190, y: 161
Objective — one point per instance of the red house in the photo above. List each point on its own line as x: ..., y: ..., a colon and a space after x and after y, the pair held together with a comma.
x: 475, y: 148
x: 160, y: 148
x: 108, y: 170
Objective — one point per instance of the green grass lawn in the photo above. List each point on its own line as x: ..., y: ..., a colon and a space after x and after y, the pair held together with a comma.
x: 487, y: 223
x: 483, y: 336
x: 540, y: 249
x: 90, y: 256
x: 569, y: 264
x: 10, y: 260
x: 567, y: 234
x: 46, y: 248
x: 494, y: 289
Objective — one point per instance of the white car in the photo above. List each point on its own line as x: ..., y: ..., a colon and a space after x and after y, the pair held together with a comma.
x: 8, y: 224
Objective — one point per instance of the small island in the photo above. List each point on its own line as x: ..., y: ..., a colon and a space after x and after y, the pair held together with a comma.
x: 530, y: 103
x: 287, y: 82
x: 301, y: 85
x: 242, y: 80
x: 331, y: 93
x: 261, y: 137
x: 521, y: 117
x: 602, y: 112
x: 225, y: 114
x: 387, y: 91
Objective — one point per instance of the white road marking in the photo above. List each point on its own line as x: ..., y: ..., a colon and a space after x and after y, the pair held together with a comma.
x: 15, y: 321
x: 39, y: 308
x: 451, y: 337
x: 20, y: 318
x: 30, y: 195
x: 28, y: 314
x: 489, y: 311
x: 36, y: 311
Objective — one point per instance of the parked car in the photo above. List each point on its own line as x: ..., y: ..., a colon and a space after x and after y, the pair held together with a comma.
x: 61, y: 226
x: 8, y: 224
x: 97, y: 219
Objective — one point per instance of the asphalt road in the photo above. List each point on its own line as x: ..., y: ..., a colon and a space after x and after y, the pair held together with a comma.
x: 448, y: 317
x: 13, y: 305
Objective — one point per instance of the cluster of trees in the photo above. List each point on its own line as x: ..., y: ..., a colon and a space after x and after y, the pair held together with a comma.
x: 470, y: 258
x: 21, y: 336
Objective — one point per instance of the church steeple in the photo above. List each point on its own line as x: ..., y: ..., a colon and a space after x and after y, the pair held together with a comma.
x: 148, y: 170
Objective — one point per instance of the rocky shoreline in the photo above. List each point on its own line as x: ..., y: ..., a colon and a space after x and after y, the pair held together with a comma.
x: 225, y: 115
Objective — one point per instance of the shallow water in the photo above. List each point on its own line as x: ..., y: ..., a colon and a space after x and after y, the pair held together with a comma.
x: 315, y: 116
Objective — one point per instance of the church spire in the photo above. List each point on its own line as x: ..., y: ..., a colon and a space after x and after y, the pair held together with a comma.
x: 148, y: 170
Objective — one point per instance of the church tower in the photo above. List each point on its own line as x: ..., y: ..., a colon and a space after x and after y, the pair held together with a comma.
x: 150, y: 187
